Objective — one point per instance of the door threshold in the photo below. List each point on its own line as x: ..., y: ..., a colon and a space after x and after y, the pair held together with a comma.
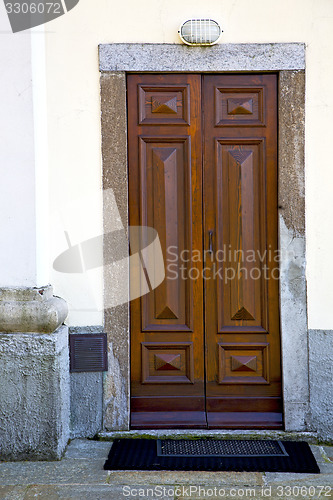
x: 141, y: 420
x: 310, y: 437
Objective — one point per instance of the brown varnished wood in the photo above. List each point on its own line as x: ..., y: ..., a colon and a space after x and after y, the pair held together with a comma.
x: 243, y: 367
x: 161, y: 403
x: 244, y: 404
x: 233, y: 193
x: 244, y: 420
x: 169, y: 420
x: 165, y: 192
x: 166, y: 206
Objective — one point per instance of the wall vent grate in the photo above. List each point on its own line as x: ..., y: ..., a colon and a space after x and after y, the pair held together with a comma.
x: 88, y: 352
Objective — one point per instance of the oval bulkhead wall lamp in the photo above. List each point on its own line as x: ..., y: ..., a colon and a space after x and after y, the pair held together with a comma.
x: 200, y: 32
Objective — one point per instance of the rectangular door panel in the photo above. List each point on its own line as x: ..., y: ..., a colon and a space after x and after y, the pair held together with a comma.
x: 166, y: 206
x: 241, y: 235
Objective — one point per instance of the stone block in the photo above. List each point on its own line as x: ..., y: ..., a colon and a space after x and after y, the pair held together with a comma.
x: 321, y: 387
x: 86, y: 404
x: 34, y: 395
x: 86, y: 395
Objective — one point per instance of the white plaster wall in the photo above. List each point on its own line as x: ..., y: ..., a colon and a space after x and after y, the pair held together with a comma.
x: 23, y: 158
x: 74, y: 119
x: 17, y: 210
x: 39, y: 100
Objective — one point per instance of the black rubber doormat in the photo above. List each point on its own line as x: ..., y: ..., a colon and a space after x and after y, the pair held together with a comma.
x: 211, y: 455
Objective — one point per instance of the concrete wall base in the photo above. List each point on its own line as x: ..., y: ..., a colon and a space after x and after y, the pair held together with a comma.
x: 321, y: 388
x: 34, y: 368
x: 34, y: 395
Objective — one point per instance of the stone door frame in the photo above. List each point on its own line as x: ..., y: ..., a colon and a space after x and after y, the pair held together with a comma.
x: 288, y: 60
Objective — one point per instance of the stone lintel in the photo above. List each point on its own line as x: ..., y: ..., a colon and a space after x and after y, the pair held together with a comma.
x: 158, y: 57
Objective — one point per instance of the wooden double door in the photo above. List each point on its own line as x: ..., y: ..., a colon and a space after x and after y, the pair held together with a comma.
x: 205, y: 343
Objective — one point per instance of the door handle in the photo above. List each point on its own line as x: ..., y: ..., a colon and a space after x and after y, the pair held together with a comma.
x: 210, y: 242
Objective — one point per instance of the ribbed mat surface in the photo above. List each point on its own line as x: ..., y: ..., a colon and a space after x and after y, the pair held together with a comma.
x: 145, y: 454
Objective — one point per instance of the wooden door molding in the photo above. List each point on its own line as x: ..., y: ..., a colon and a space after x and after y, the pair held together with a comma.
x: 291, y: 94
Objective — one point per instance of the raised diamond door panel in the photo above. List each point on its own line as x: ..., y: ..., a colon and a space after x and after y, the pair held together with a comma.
x: 167, y: 104
x: 241, y: 363
x: 240, y: 107
x: 168, y: 363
